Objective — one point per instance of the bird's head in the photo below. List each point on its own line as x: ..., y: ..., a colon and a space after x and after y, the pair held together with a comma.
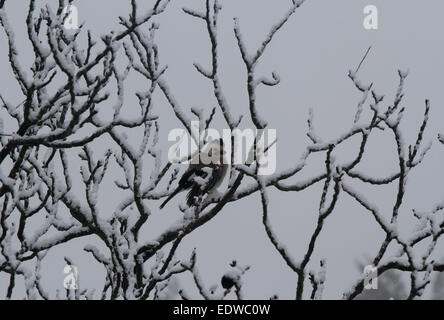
x: 214, y: 152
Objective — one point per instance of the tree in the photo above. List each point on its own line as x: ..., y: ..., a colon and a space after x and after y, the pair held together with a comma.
x: 67, y: 106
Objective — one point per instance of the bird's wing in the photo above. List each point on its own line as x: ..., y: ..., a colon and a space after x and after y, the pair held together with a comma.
x: 204, y: 180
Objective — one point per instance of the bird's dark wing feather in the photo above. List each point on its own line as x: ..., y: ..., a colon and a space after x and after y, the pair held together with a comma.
x: 198, y: 190
x: 186, y: 181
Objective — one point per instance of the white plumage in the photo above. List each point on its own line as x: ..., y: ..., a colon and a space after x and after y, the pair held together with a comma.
x: 206, y: 172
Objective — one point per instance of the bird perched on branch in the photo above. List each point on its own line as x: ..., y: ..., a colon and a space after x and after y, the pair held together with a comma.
x: 205, y: 173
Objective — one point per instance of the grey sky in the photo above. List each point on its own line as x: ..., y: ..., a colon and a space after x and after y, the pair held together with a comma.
x: 312, y: 54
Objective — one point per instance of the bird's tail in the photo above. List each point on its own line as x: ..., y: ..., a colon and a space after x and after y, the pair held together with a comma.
x: 170, y: 197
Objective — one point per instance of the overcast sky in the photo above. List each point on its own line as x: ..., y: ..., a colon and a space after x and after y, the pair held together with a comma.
x: 312, y: 54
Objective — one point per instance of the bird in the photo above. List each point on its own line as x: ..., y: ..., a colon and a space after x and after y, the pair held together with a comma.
x: 205, y: 173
